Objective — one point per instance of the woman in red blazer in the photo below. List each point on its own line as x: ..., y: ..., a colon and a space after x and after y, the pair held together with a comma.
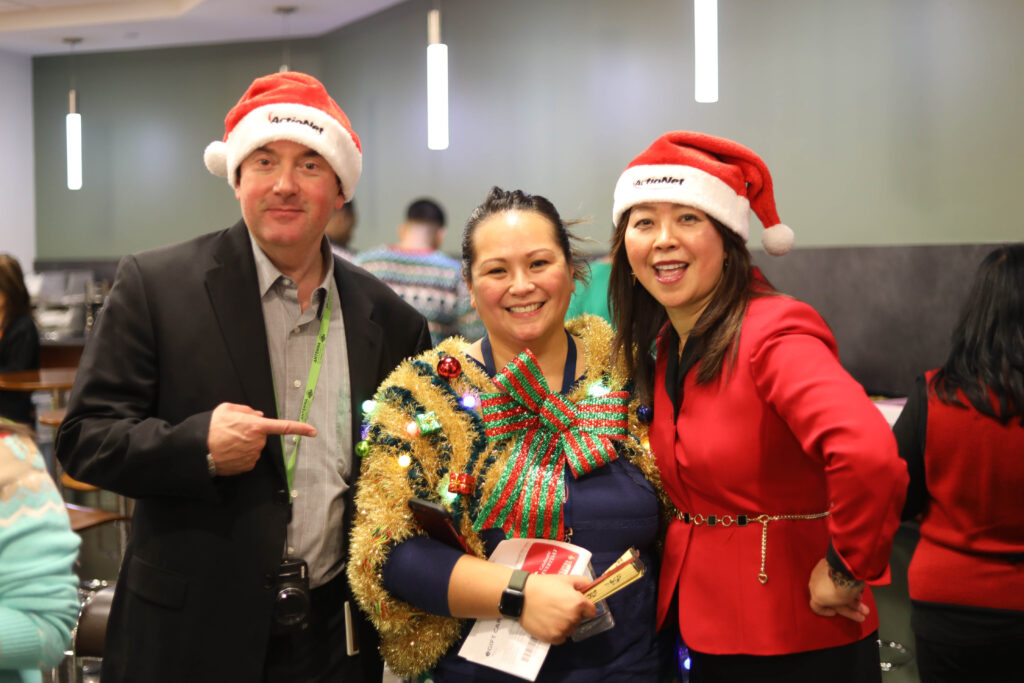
x: 785, y: 478
x: 962, y: 435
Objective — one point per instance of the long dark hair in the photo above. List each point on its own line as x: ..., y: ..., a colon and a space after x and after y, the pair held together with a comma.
x: 500, y: 201
x: 12, y: 284
x: 987, y: 356
x: 639, y: 317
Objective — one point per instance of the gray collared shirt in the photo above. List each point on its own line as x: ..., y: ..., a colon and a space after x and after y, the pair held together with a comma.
x: 323, y: 465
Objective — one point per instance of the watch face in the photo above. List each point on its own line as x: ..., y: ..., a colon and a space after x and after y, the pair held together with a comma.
x: 511, y: 604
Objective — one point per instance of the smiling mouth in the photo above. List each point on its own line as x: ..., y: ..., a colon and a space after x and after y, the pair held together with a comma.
x: 670, y: 272
x: 528, y: 308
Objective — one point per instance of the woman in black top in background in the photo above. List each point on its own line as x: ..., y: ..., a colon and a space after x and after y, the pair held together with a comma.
x: 19, y: 339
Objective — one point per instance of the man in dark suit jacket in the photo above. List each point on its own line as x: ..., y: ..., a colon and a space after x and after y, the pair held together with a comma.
x: 200, y: 349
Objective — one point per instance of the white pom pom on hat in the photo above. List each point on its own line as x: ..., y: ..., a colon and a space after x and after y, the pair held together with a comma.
x: 777, y: 239
x: 718, y: 176
x: 288, y: 106
x: 215, y: 158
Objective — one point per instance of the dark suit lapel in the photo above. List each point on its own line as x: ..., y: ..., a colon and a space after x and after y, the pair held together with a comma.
x: 364, y: 340
x: 234, y: 295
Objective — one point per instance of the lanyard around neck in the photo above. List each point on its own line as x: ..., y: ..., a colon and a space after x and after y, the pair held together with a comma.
x: 568, y: 373
x: 307, y: 394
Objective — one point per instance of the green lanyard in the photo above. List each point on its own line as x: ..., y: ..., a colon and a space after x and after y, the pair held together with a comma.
x: 307, y: 396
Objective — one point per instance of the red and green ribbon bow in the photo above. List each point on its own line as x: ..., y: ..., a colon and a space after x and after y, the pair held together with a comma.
x: 550, y: 431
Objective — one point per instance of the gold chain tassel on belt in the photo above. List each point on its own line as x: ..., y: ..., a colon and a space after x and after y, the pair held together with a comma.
x: 744, y: 520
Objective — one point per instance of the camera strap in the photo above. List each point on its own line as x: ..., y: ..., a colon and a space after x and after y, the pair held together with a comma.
x: 307, y: 394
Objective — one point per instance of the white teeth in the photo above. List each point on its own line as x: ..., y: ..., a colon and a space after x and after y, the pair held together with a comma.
x: 671, y: 266
x: 524, y: 309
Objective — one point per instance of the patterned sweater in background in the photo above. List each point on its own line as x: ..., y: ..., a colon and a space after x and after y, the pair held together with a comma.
x: 38, y: 597
x: 431, y: 281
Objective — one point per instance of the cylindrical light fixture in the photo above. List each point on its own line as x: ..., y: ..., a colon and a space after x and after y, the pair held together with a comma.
x: 437, y: 84
x: 705, y: 50
x: 73, y: 129
x: 73, y: 126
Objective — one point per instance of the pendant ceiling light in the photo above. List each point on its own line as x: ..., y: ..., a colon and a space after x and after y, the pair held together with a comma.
x: 73, y: 126
x: 437, y: 82
x: 705, y: 50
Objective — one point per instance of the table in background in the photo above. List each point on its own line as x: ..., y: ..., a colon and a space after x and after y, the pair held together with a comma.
x: 55, y: 380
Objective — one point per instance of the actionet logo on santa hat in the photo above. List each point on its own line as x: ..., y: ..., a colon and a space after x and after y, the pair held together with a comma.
x: 664, y: 180
x: 274, y: 118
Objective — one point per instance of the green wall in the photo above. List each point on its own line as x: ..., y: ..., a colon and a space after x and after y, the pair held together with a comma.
x: 883, y: 121
x: 17, y: 227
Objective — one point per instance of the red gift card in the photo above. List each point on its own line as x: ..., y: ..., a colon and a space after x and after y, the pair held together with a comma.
x: 546, y: 558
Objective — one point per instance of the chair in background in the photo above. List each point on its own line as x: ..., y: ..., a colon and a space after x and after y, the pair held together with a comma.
x: 84, y: 517
x: 87, y: 640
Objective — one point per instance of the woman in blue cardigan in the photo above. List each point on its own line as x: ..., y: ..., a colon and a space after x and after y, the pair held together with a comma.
x: 38, y: 599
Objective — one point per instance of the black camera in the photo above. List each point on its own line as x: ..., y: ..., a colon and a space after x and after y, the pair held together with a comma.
x: 291, y: 604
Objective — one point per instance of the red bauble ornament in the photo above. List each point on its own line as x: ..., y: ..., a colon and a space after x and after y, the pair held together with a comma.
x: 449, y: 367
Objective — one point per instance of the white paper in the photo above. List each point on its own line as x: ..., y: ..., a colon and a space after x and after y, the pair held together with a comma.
x: 502, y: 643
x: 891, y: 409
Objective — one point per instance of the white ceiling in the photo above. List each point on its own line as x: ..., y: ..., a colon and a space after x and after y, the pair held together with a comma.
x: 38, y: 27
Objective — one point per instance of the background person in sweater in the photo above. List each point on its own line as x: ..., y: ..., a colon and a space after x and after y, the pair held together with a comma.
x: 38, y: 599
x: 425, y: 276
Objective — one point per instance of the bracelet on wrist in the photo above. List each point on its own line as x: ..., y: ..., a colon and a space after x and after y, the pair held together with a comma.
x: 844, y: 580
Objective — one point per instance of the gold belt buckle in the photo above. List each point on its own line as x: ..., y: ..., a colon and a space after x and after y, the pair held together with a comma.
x: 713, y: 520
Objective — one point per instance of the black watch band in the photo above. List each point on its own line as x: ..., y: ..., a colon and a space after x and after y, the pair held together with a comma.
x: 511, y: 603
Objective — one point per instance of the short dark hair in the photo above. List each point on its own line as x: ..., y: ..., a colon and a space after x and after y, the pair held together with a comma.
x: 425, y: 211
x: 500, y: 201
x: 987, y: 354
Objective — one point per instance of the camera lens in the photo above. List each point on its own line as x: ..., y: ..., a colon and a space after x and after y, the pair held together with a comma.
x: 292, y: 606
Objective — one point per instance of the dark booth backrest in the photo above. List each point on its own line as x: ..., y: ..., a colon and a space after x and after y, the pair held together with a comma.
x: 892, y: 309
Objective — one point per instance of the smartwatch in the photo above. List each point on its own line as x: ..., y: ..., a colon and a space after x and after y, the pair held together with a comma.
x: 511, y: 603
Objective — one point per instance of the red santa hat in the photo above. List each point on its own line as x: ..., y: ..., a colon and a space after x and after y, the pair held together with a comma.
x: 720, y: 177
x: 288, y: 106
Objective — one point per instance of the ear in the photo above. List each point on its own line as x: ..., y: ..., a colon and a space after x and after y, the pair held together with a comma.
x: 339, y: 201
x: 472, y: 297
x: 572, y: 270
x: 438, y: 238
x: 238, y: 182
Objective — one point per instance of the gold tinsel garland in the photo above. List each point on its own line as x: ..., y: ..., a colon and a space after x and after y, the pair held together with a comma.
x: 411, y: 639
